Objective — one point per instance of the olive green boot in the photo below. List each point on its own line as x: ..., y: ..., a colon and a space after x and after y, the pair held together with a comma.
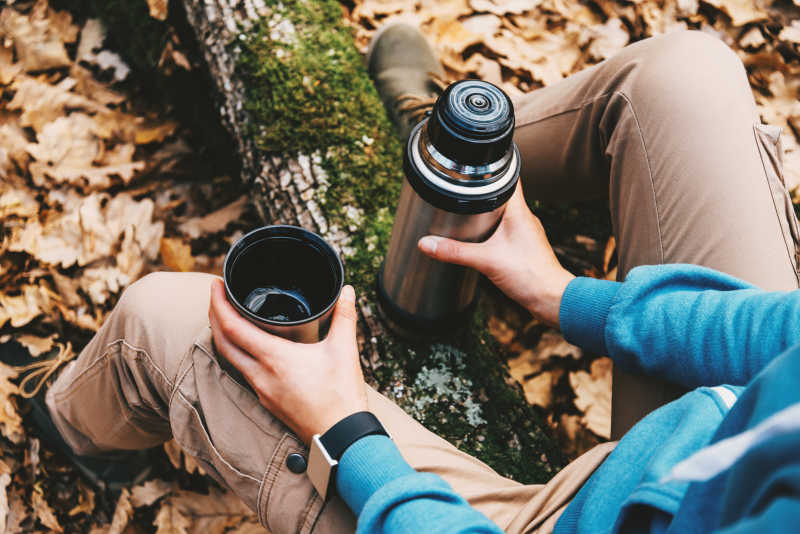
x: 406, y: 73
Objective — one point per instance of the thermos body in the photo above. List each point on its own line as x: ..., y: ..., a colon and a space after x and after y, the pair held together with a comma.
x: 461, y: 167
x: 423, y: 287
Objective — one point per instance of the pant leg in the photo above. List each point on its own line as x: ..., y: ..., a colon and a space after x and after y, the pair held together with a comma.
x: 151, y: 373
x: 668, y: 131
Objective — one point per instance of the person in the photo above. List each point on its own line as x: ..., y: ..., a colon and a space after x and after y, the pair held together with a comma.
x: 708, y: 259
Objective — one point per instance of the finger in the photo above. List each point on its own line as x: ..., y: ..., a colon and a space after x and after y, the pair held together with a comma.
x: 247, y: 365
x: 516, y: 204
x: 239, y: 331
x: 345, y: 317
x: 459, y: 252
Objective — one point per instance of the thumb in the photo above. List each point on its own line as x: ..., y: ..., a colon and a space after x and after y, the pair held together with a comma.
x: 452, y: 251
x: 343, y: 324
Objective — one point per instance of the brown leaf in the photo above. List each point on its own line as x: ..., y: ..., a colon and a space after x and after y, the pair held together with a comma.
x: 22, y: 309
x: 249, y: 527
x: 504, y: 7
x: 92, y: 36
x: 176, y: 254
x: 42, y: 510
x: 593, y: 396
x: 149, y: 492
x: 158, y: 9
x: 174, y: 453
x: 18, y: 202
x: 36, y: 345
x: 741, y: 12
x: 212, y: 513
x: 85, y: 500
x: 17, y: 513
x: 5, y: 480
x: 170, y: 520
x: 10, y: 421
x: 38, y: 44
x: 215, y: 221
x: 8, y: 68
x: 122, y: 513
x: 538, y: 390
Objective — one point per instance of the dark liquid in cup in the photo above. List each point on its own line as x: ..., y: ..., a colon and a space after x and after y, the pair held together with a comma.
x: 278, y: 304
x: 283, y: 278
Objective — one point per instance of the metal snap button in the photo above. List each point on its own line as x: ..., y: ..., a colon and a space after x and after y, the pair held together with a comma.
x: 296, y: 463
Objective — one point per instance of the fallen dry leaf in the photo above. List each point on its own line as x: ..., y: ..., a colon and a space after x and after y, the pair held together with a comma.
x: 43, y: 512
x: 176, y: 254
x: 170, y: 520
x: 149, y: 492
x: 85, y: 500
x: 741, y: 12
x: 593, y: 396
x: 215, y: 221
x: 5, y: 480
x: 122, y: 513
x: 38, y: 45
x: 158, y: 9
x: 10, y: 421
x: 36, y: 345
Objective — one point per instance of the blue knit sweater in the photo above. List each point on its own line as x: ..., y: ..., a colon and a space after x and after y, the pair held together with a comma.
x: 725, y: 456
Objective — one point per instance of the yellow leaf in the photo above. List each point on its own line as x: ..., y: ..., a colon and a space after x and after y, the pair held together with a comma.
x: 36, y: 345
x: 43, y: 511
x: 176, y: 254
x: 85, y: 500
x: 158, y: 9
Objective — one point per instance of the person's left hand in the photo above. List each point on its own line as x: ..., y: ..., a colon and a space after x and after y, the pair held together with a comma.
x: 310, y: 387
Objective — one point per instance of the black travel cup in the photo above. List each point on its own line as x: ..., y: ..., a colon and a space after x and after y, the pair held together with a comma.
x: 461, y: 167
x: 286, y: 280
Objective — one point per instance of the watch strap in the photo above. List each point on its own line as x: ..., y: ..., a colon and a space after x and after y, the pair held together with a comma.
x: 349, y: 430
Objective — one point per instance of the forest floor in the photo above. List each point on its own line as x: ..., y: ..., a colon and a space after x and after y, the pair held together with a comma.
x: 100, y: 183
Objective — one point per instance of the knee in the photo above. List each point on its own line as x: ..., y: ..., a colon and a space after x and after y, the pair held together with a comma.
x: 165, y: 299
x: 145, y: 295
x: 686, y: 55
x: 688, y: 72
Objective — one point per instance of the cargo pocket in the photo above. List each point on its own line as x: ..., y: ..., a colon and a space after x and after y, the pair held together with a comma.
x: 239, y: 443
x: 771, y: 152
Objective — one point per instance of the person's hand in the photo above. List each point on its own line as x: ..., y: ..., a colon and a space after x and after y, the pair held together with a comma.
x: 310, y: 387
x: 517, y: 258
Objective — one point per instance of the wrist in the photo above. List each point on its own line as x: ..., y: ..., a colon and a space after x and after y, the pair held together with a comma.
x: 545, y: 303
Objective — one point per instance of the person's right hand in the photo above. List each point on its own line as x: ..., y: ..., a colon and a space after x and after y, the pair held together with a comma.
x: 517, y: 258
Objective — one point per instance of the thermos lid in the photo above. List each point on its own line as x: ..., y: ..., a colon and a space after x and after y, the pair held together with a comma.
x: 472, y: 123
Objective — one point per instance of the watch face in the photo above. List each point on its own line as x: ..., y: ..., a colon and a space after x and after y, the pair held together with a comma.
x: 320, y: 467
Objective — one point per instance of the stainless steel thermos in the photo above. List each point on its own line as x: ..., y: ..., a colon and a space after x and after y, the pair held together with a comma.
x: 461, y: 167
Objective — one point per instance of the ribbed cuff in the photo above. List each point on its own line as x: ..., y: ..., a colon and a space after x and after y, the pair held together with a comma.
x: 584, y: 310
x: 365, y: 467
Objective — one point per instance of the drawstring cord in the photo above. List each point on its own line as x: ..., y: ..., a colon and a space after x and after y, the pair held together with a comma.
x: 43, y: 370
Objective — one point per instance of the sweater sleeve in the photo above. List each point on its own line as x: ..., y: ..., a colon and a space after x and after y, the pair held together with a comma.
x: 691, y: 325
x: 389, y: 496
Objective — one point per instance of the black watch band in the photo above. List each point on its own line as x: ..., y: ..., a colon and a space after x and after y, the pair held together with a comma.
x: 349, y: 430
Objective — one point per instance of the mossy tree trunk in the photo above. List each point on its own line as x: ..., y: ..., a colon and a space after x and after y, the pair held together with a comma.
x: 318, y: 151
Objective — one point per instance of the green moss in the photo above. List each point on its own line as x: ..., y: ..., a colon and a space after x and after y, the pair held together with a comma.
x: 308, y: 93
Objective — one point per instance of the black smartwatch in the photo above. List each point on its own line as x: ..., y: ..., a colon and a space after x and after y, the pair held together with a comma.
x: 328, y: 448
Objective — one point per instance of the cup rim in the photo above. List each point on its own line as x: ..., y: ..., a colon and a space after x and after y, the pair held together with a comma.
x: 286, y: 230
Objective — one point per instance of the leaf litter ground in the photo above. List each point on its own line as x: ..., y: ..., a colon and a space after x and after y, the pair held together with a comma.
x: 99, y: 188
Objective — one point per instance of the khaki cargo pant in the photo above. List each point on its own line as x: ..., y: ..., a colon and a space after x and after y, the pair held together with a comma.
x: 667, y: 130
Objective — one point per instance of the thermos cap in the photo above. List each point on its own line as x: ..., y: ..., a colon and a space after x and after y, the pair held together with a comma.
x: 472, y: 123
